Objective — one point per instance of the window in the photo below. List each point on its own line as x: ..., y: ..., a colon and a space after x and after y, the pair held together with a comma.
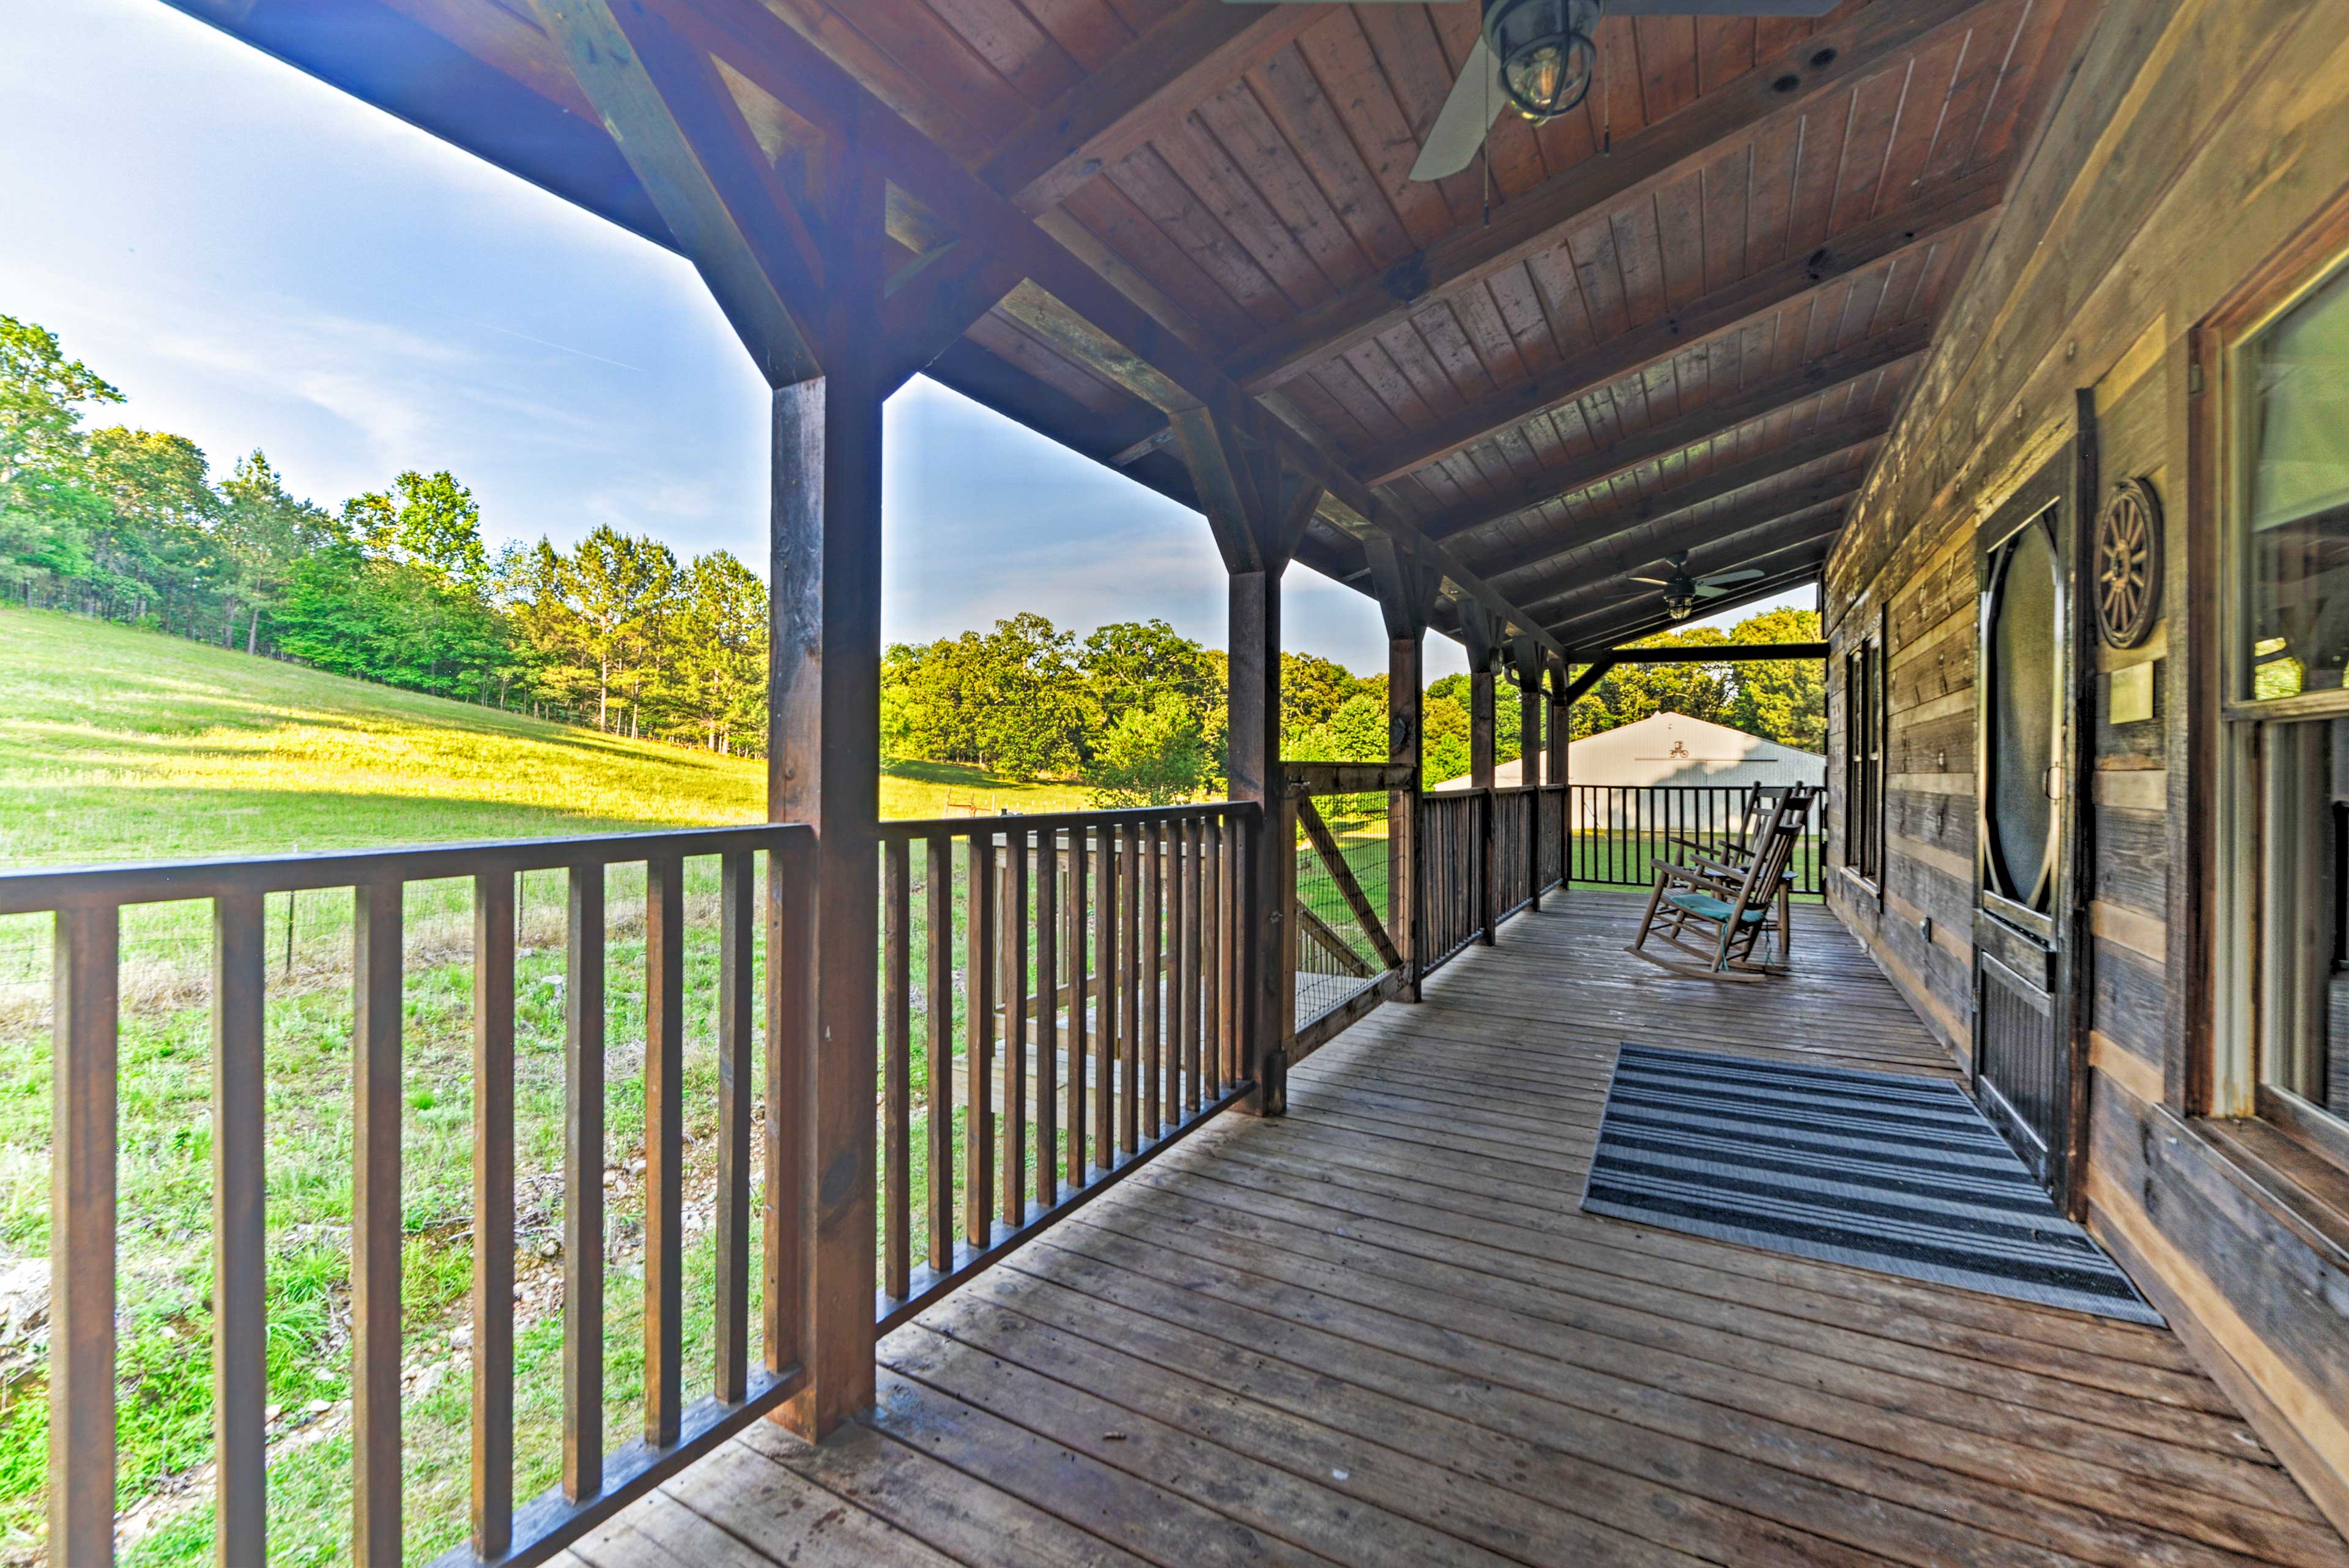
x: 1863, y: 759
x: 2285, y: 629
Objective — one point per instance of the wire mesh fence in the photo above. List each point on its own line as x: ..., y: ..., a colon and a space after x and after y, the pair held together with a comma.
x: 1335, y: 957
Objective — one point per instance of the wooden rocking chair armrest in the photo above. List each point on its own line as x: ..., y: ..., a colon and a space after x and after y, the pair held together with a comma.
x: 1719, y: 867
x: 1701, y: 846
x: 1672, y: 871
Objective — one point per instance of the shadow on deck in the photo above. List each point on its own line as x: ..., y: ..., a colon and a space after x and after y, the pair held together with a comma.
x: 1379, y: 1332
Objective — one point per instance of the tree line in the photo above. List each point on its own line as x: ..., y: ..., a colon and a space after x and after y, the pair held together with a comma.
x: 1137, y: 711
x: 396, y: 586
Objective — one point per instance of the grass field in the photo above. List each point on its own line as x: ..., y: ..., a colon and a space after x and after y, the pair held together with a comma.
x: 117, y: 744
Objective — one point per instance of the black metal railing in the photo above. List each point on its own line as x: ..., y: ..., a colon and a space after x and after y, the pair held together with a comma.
x: 1620, y: 831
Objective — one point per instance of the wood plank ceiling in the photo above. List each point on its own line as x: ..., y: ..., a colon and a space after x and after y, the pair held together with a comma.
x: 1680, y: 318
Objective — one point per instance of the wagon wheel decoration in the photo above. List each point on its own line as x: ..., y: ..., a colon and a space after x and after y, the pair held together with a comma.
x: 2128, y: 564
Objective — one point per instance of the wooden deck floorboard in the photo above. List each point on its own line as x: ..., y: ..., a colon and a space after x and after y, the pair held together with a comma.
x: 1377, y: 1332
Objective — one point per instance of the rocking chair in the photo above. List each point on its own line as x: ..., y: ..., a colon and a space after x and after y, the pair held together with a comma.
x: 1733, y: 900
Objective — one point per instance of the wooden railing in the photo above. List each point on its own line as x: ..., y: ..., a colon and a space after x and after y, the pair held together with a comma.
x: 1484, y: 854
x: 596, y: 1479
x: 1102, y: 975
x: 1619, y: 830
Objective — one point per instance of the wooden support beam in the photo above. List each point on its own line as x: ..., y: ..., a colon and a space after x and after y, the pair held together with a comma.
x: 1721, y: 653
x: 1895, y: 242
x: 680, y: 132
x: 1595, y: 569
x: 1525, y: 660
x: 1313, y: 928
x: 1607, y: 527
x: 1406, y: 692
x: 1144, y: 89
x: 1775, y: 92
x: 1830, y: 373
x: 1606, y: 582
x: 823, y: 769
x: 1592, y: 674
x: 1305, y: 779
x: 929, y: 314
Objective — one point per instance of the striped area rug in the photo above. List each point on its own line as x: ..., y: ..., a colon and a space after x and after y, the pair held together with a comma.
x: 1901, y: 1175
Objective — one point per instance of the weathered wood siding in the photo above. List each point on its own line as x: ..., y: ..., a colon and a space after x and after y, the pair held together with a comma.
x: 2193, y: 139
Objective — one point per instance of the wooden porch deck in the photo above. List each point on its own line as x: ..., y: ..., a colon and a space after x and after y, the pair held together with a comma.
x: 1377, y: 1332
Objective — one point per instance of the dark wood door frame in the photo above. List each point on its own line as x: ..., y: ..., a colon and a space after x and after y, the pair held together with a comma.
x: 2051, y: 947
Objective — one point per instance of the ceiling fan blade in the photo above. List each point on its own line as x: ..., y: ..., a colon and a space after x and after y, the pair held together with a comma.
x: 1709, y: 591
x: 1459, y: 130
x: 1721, y: 7
x: 1745, y: 576
x: 1657, y: 582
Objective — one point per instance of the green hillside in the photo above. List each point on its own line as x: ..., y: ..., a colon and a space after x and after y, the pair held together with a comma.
x: 123, y: 745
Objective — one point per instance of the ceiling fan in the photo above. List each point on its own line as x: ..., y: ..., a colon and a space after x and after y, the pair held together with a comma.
x: 1682, y: 591
x: 1536, y: 57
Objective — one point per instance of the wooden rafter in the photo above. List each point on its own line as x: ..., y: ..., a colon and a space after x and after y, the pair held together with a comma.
x: 1892, y: 241
x: 1147, y: 87
x: 680, y: 131
x: 1775, y: 92
x: 1826, y: 374
x: 1633, y: 549
x: 1555, y: 543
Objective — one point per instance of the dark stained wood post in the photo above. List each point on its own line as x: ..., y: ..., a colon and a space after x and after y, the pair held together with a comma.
x: 823, y: 769
x: 1257, y: 511
x: 1560, y: 738
x: 1526, y: 661
x: 1483, y: 651
x: 1407, y: 588
x: 1253, y: 769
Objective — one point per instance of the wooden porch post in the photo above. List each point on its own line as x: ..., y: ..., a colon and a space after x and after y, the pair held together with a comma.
x: 1484, y: 650
x: 1561, y: 737
x: 1407, y: 589
x: 823, y: 769
x: 1527, y: 662
x: 1253, y: 767
x: 1257, y: 510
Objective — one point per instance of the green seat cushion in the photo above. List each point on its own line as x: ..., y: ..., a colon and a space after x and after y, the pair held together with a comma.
x: 1708, y: 907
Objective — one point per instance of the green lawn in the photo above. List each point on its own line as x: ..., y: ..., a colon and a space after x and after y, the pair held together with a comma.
x: 118, y: 744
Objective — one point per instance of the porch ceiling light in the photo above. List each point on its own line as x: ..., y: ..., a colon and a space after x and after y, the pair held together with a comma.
x: 1546, y: 50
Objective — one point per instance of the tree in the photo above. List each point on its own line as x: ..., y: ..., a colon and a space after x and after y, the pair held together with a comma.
x: 722, y: 648
x: 1154, y: 756
x: 263, y: 532
x: 1783, y: 701
x: 428, y: 519
x: 610, y: 583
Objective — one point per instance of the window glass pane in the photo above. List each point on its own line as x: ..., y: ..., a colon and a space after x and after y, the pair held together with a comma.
x: 2022, y: 719
x: 2305, y: 1022
x: 2296, y: 502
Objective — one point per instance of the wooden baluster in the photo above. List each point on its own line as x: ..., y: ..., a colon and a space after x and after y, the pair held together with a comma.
x: 1129, y: 1063
x: 493, y: 1212
x: 1199, y: 938
x: 376, y: 1220
x: 978, y: 1050
x: 1150, y: 904
x: 239, y: 1250
x: 939, y: 1013
x: 583, y: 1187
x: 82, y: 1139
x: 791, y: 889
x: 1219, y: 955
x: 1012, y: 946
x: 737, y: 904
x: 1048, y: 1019
x: 1106, y: 1053
x: 664, y: 1150
x: 1080, y: 1004
x: 896, y: 1070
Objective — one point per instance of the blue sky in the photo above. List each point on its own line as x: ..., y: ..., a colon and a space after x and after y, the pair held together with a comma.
x: 257, y: 260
